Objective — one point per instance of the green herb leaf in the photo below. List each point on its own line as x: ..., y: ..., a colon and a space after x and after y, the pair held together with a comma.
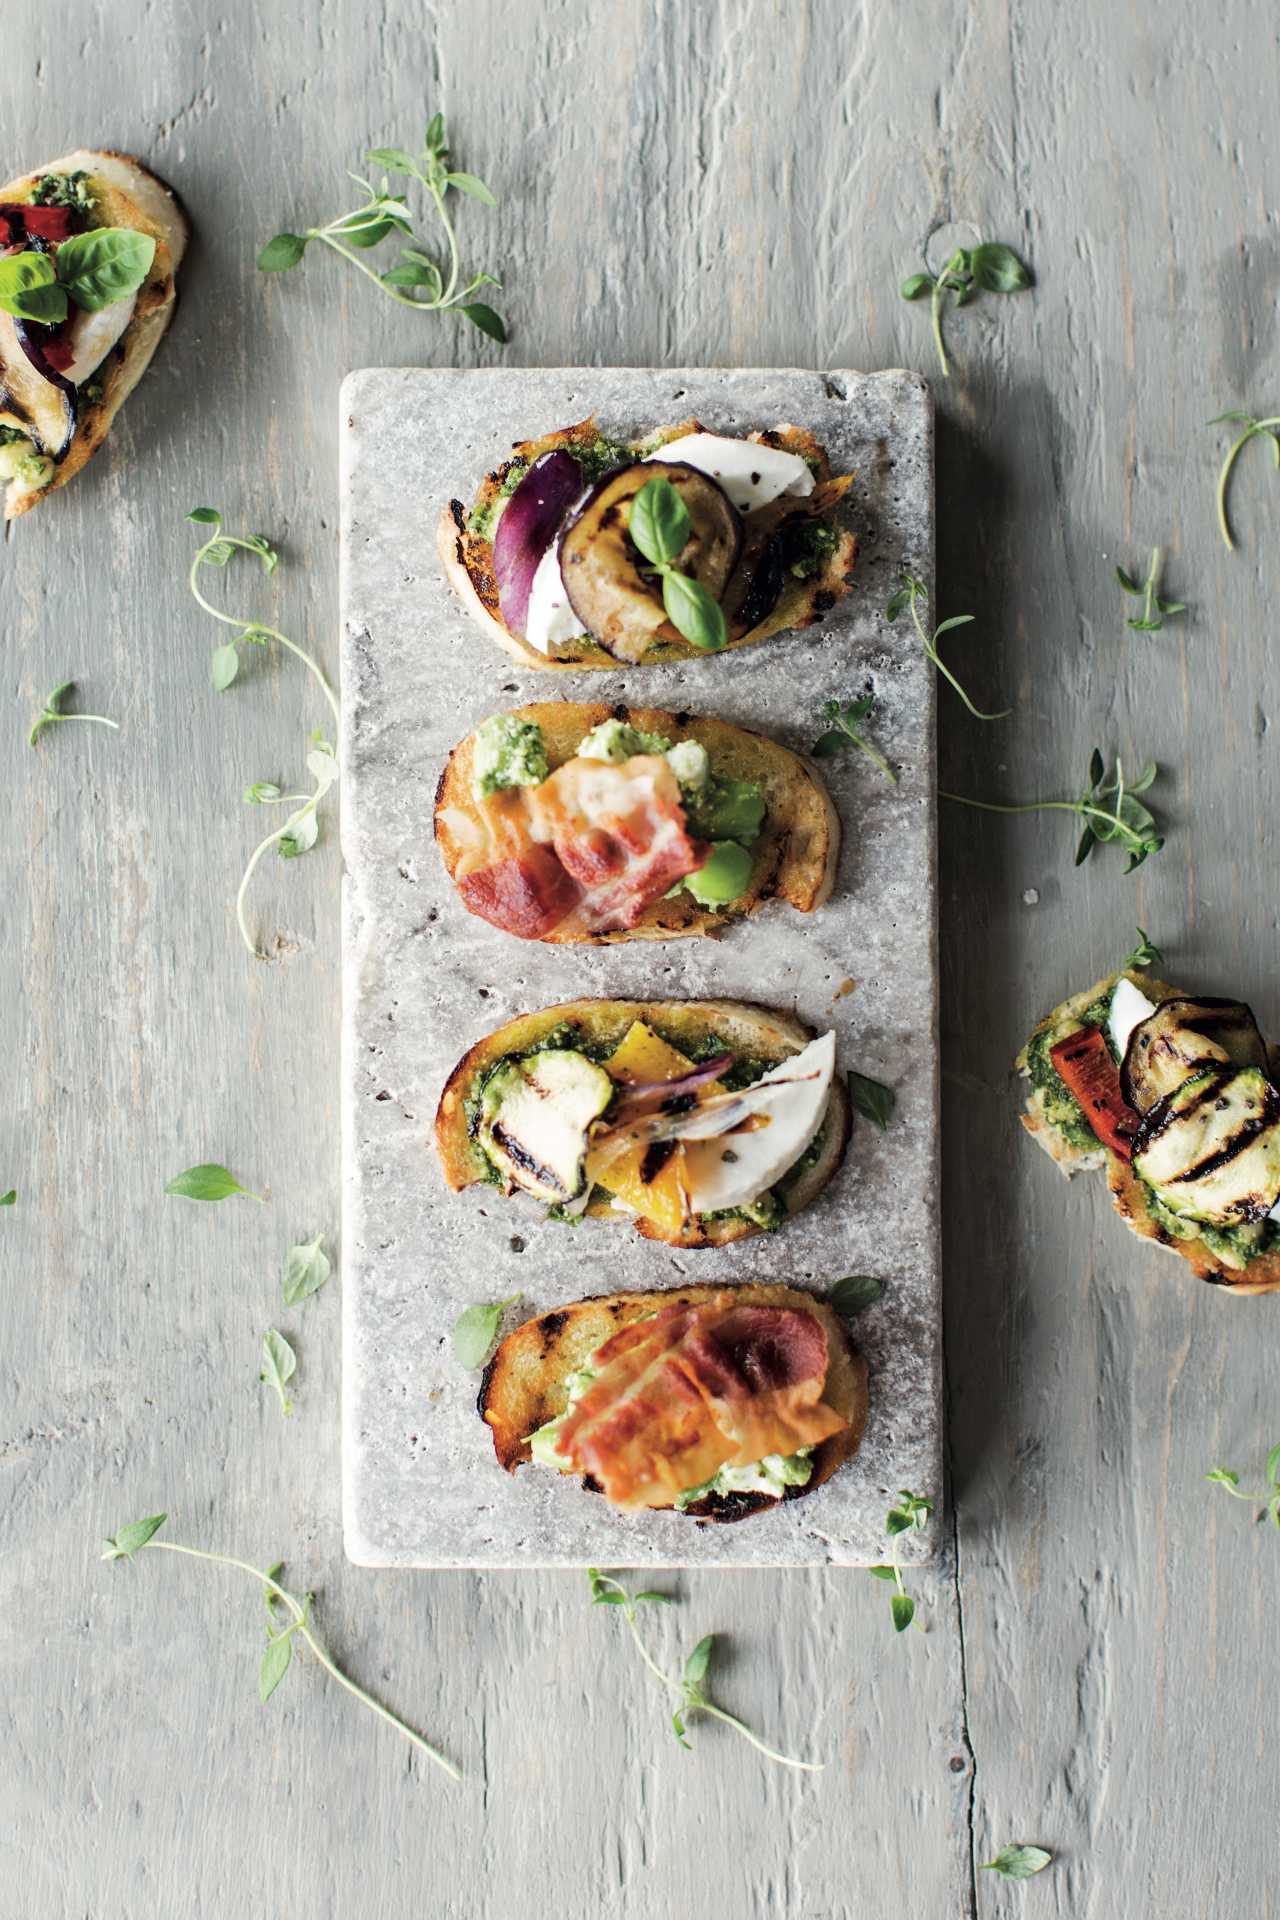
x: 848, y: 732
x: 1144, y: 955
x: 916, y: 286
x: 883, y: 1573
x: 29, y: 288
x: 394, y: 159
x: 695, y: 1667
x: 1273, y: 1458
x: 854, y: 1293
x: 1127, y: 581
x: 275, y: 1665
x: 51, y: 713
x: 997, y: 269
x: 434, y: 139
x: 224, y: 665
x: 300, y: 837
x: 903, y: 1609
x: 659, y: 523
x: 486, y: 319
x: 828, y: 743
x: 476, y: 1330
x: 205, y: 516
x: 208, y: 1181
x: 693, y: 612
x: 260, y: 792
x: 469, y: 183
x: 123, y: 1545
x: 1224, y: 1477
x: 305, y: 1271
x: 1017, y: 1863
x: 285, y: 251
x: 9, y: 1199
x: 279, y: 1363
x: 872, y: 1099
x: 104, y: 265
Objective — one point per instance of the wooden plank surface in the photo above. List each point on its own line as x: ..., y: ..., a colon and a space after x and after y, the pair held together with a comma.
x: 737, y: 183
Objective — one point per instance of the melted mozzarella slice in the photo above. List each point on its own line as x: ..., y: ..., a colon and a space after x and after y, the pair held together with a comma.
x: 550, y: 620
x: 94, y: 334
x: 752, y: 475
x: 1129, y: 1008
x: 733, y: 1169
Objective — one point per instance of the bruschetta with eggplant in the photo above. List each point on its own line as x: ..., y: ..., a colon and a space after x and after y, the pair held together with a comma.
x: 751, y: 1395
x: 565, y: 822
x: 698, y: 1122
x: 580, y: 550
x: 1177, y: 1097
x: 89, y: 247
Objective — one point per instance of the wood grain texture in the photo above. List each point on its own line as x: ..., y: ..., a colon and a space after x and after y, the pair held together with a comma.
x: 735, y: 183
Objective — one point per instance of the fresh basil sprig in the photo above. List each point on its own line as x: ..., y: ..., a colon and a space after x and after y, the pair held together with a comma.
x: 1109, y: 808
x: 844, y: 730
x: 92, y: 270
x: 1144, y: 955
x: 279, y: 1363
x: 913, y: 594
x: 1251, y: 429
x: 1268, y: 1499
x: 288, y: 1616
x: 989, y: 267
x: 306, y: 1268
x: 872, y: 1099
x: 476, y: 1329
x: 417, y: 280
x: 1154, y: 609
x: 911, y: 1514
x: 689, y: 1690
x: 1017, y: 1863
x: 659, y: 526
x: 51, y: 714
x: 208, y: 1181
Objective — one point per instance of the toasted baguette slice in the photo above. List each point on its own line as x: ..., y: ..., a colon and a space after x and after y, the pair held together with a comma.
x: 467, y: 557
x: 1129, y: 1196
x: 795, y: 856
x: 128, y: 195
x: 524, y: 1383
x: 756, y: 1031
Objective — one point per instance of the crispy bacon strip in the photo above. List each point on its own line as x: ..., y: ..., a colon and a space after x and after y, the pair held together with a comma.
x: 693, y: 1389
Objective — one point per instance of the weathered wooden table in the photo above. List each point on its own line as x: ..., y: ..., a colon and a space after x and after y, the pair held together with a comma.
x: 731, y: 184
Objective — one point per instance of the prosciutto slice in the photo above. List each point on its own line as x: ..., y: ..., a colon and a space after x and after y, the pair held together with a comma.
x: 694, y: 1389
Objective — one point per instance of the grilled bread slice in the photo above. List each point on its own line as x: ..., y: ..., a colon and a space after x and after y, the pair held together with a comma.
x: 1130, y: 1197
x: 465, y: 546
x: 794, y: 858
x: 756, y: 1032
x: 524, y: 1383
x: 126, y: 194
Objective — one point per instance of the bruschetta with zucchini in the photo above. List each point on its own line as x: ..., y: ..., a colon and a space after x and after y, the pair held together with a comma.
x: 715, y: 1402
x: 581, y: 550
x: 1177, y: 1097
x: 565, y: 822
x: 89, y: 247
x: 698, y: 1122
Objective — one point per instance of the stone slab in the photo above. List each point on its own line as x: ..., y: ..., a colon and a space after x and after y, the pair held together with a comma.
x: 423, y: 980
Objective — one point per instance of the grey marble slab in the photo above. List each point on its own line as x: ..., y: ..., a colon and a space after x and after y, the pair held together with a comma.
x: 423, y: 979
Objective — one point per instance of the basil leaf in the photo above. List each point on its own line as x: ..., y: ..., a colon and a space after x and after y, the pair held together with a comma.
x: 469, y: 183
x: 275, y: 1665
x: 873, y: 1100
x: 279, y: 1363
x: 1017, y: 1863
x: 692, y: 612
x: 997, y: 269
x: 127, y: 1542
x: 659, y: 522
x: 916, y: 286
x: 104, y: 265
x: 305, y: 1271
x: 903, y: 1608
x: 224, y: 665
x: 476, y: 1329
x: 856, y: 1291
x: 285, y: 251
x: 9, y: 1199
x: 208, y: 1181
x: 486, y: 319
x: 695, y: 1667
x: 29, y: 288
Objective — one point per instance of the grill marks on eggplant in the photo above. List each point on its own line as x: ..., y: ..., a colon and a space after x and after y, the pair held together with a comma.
x: 1182, y: 1035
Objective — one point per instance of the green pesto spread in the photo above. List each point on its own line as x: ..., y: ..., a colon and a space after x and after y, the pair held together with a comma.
x: 509, y: 752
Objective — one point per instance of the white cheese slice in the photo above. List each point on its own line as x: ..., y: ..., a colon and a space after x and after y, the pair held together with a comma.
x: 734, y: 1169
x: 752, y: 475
x: 94, y: 334
x: 550, y: 619
x: 1129, y: 1007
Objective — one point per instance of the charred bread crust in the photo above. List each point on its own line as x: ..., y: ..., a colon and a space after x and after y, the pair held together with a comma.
x: 1128, y: 1195
x: 761, y: 1032
x: 795, y: 857
x: 467, y: 557
x: 524, y: 1383
x: 138, y: 198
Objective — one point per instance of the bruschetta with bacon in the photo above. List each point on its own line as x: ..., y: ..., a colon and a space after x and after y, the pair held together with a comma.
x: 715, y: 1402
x: 546, y: 559
x: 89, y: 249
x: 1177, y: 1097
x: 567, y: 822
x: 698, y: 1122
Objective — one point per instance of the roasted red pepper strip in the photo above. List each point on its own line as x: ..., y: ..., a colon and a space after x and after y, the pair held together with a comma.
x: 1084, y: 1065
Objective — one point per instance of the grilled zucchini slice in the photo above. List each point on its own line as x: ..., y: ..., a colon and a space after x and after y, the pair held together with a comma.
x: 1210, y: 1150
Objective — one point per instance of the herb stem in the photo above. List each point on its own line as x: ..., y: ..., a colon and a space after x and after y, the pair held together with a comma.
x: 99, y: 719
x: 1233, y: 453
x: 300, y: 1626
x: 1082, y: 807
x: 1153, y: 574
x: 771, y: 1753
x: 293, y: 821
x: 931, y: 653
x: 402, y: 299
x: 232, y: 620
x: 935, y: 308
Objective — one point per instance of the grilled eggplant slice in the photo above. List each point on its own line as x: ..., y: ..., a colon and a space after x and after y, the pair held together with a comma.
x: 1181, y: 1035
x: 620, y: 605
x: 533, y: 1121
x: 42, y: 399
x: 1211, y: 1149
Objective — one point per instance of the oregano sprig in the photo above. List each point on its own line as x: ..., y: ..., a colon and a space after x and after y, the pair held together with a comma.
x: 300, y: 830
x: 659, y: 525
x: 289, y: 1618
x: 990, y: 267
x: 913, y: 594
x: 912, y: 1513
x: 1154, y: 609
x: 1251, y: 429
x: 844, y: 729
x: 1109, y: 808
x: 1144, y: 955
x: 1268, y: 1499
x: 51, y: 713
x: 689, y: 1690
x: 417, y: 280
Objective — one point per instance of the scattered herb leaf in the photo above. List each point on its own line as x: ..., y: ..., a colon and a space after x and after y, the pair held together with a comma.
x: 476, y: 1329
x: 1154, y: 609
x: 872, y: 1099
x: 1252, y: 428
x: 990, y: 267
x: 659, y: 526
x: 306, y: 1268
x: 51, y: 713
x: 93, y: 270
x: 1109, y: 808
x: 911, y: 1513
x: 1144, y: 955
x: 913, y: 594
x: 282, y: 1606
x: 1017, y: 1863
x: 1268, y: 1500
x: 844, y: 730
x: 9, y: 1199
x: 208, y: 1181
x: 856, y: 1291
x: 688, y: 1689
x: 279, y: 1364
